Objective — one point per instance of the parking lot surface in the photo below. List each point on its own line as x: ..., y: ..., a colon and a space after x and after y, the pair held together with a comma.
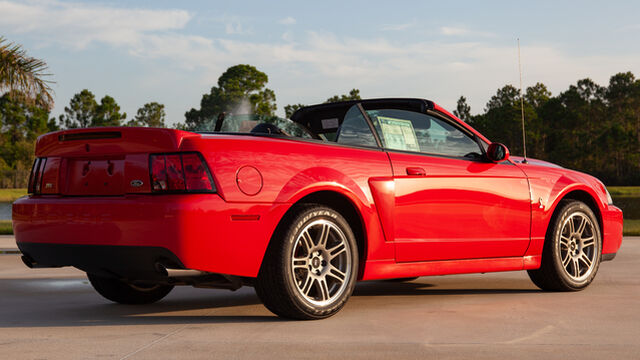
x: 55, y: 314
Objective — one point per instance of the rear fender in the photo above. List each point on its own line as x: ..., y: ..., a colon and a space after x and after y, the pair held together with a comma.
x: 319, y: 179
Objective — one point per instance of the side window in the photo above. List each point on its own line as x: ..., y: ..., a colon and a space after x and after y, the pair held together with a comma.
x: 354, y: 130
x: 413, y: 131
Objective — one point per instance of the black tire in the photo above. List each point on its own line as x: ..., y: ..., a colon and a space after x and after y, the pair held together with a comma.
x: 125, y: 293
x: 282, y: 288
x: 553, y: 275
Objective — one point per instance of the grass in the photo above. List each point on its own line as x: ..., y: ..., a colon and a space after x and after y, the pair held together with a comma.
x: 631, y: 227
x: 632, y: 191
x: 5, y: 227
x: 10, y: 195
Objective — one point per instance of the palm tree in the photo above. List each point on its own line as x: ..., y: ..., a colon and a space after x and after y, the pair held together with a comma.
x: 24, y: 75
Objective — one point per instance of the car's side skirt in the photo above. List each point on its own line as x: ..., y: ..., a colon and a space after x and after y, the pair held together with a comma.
x: 389, y: 269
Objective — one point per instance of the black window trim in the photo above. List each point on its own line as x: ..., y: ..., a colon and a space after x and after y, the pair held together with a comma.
x: 439, y: 116
x: 371, y: 127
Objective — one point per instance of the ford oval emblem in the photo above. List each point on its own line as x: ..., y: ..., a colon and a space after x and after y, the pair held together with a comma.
x: 136, y: 183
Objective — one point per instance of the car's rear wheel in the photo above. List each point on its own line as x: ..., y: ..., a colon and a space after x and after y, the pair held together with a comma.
x: 572, y: 249
x: 311, y: 266
x: 125, y: 293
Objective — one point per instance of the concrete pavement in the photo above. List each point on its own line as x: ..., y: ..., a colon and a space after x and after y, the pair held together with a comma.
x: 8, y: 244
x: 55, y: 314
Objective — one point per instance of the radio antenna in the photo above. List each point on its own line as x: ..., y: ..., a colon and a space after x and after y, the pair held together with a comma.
x: 524, y: 142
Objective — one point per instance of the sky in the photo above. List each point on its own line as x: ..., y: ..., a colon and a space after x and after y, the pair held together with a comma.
x: 172, y: 52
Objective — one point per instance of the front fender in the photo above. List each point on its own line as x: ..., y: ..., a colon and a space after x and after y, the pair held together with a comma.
x: 549, y: 186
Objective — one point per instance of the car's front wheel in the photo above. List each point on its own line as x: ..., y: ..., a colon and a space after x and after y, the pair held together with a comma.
x: 311, y: 266
x: 572, y: 249
x: 125, y: 293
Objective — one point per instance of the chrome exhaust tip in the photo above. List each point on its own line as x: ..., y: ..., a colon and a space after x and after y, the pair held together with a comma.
x: 31, y: 264
x: 174, y: 273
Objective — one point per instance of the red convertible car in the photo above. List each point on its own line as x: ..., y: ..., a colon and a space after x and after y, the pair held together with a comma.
x: 301, y: 209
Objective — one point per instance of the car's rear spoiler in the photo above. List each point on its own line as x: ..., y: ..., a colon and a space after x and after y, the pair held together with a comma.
x: 110, y: 141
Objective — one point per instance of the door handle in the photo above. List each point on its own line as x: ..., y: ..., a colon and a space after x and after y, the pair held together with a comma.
x: 416, y: 171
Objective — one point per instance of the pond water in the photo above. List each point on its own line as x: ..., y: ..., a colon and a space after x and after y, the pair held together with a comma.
x: 5, y: 211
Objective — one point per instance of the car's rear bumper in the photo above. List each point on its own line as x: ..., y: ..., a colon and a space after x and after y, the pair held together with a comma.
x: 123, y: 262
x: 202, y: 231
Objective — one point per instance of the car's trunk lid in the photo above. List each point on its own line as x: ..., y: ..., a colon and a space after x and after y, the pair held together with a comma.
x: 100, y: 161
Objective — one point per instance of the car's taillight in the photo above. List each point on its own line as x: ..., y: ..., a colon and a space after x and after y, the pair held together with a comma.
x: 35, y: 178
x: 180, y: 172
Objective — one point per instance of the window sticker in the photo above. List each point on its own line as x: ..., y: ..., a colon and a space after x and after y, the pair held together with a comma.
x: 330, y: 123
x: 399, y: 134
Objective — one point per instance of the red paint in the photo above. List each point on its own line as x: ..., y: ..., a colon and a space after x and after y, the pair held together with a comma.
x: 421, y: 214
x: 249, y: 180
x: 459, y: 210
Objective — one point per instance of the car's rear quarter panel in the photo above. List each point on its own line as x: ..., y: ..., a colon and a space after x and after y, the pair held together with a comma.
x: 293, y: 169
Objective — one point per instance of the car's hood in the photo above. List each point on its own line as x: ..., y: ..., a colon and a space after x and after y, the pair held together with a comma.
x: 519, y: 159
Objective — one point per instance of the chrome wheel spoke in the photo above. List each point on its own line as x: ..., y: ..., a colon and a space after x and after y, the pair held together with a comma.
x: 566, y: 260
x: 307, y: 242
x: 571, y: 226
x: 336, y: 274
x: 585, y: 260
x: 583, y: 224
x: 323, y: 289
x: 588, y: 242
x: 300, y: 263
x: 324, y: 236
x: 337, y: 250
x: 564, y: 242
x: 576, y: 267
x: 308, y: 284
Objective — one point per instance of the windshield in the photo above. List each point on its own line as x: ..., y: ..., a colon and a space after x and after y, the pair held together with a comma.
x: 254, y: 124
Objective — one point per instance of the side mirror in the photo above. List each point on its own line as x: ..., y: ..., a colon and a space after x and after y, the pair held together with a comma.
x: 497, y: 152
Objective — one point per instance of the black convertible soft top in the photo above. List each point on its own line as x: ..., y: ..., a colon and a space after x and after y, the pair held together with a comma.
x: 311, y: 116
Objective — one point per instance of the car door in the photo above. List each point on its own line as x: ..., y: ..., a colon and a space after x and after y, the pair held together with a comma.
x: 450, y: 203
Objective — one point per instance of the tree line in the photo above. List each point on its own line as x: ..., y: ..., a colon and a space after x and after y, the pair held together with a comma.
x: 588, y: 127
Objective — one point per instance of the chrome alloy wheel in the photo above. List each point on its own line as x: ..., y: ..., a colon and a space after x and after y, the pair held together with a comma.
x: 577, y: 246
x: 321, y: 262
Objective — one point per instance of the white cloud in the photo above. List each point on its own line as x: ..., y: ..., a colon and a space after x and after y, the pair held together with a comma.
x: 463, y: 31
x: 287, y: 21
x: 232, y: 28
x: 315, y: 65
x: 78, y: 24
x: 323, y: 62
x: 398, y: 27
x: 287, y: 36
x: 453, y: 31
